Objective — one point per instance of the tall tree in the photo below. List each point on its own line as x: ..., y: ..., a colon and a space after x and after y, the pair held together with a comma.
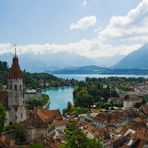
x: 83, y: 99
x: 69, y: 106
x: 37, y: 145
x: 20, y: 134
x: 2, y: 117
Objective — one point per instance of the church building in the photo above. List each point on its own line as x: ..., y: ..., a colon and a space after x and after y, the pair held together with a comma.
x: 16, y: 93
x: 13, y: 99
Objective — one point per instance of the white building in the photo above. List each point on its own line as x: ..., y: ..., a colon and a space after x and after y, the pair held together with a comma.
x: 31, y: 94
x: 130, y: 103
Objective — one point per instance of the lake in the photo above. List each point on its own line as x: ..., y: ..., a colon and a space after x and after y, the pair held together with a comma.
x: 62, y: 95
x: 59, y: 97
x: 83, y: 76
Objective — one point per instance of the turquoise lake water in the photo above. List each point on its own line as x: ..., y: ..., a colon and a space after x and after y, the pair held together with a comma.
x: 83, y: 76
x: 59, y: 97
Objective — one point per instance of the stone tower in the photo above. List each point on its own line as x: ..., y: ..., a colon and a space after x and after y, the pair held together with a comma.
x: 16, y: 93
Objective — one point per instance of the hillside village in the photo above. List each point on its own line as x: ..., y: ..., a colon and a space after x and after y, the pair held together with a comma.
x: 121, y: 122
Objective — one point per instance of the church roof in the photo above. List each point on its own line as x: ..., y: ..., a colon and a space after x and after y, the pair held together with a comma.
x: 15, y: 72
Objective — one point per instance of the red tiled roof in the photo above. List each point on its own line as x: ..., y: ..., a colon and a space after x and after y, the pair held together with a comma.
x: 45, y: 114
x: 15, y: 72
x: 144, y: 109
x: 43, y: 117
x: 34, y: 121
x: 4, y: 98
x: 49, y: 142
x: 6, y: 142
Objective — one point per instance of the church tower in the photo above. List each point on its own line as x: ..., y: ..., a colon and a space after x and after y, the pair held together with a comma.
x: 16, y: 92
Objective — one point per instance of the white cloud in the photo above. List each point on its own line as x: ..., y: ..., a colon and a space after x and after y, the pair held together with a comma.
x: 84, y: 23
x: 132, y: 28
x: 84, y: 3
x: 82, y: 47
x: 87, y: 2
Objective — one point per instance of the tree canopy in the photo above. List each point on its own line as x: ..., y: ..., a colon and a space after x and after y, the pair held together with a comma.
x: 2, y: 117
x: 37, y: 102
x: 75, y: 138
x: 20, y: 134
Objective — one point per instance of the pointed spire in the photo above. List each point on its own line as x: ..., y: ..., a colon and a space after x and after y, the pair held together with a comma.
x: 15, y: 52
x: 15, y: 71
x: 15, y: 55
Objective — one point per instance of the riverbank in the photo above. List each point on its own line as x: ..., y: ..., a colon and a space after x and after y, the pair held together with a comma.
x: 46, y: 106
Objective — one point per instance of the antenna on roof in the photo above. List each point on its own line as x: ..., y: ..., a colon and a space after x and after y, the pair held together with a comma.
x: 15, y: 50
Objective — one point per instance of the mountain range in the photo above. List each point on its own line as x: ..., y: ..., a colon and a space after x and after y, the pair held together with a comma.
x: 68, y: 62
x: 51, y: 62
x: 40, y: 63
x: 137, y: 59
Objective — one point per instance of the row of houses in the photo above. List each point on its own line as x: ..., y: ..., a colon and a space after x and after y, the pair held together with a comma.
x: 121, y: 128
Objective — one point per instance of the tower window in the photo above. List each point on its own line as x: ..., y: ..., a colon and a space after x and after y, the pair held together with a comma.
x: 10, y: 86
x: 20, y: 87
x: 15, y: 87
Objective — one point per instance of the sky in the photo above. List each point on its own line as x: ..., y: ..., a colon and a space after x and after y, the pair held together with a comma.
x: 92, y: 28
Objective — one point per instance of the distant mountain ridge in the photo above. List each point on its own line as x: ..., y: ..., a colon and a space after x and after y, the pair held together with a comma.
x: 69, y: 62
x: 137, y: 59
x: 37, y: 64
x: 50, y: 62
x: 92, y: 69
x: 40, y: 63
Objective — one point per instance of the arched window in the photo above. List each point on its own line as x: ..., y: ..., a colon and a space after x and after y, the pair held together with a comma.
x: 15, y: 87
x: 10, y: 86
x: 20, y: 87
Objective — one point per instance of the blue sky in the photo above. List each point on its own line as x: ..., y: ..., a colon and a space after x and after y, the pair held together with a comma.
x: 43, y: 21
x: 48, y: 22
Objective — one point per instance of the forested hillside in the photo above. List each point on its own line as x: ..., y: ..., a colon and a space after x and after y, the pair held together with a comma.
x: 34, y: 80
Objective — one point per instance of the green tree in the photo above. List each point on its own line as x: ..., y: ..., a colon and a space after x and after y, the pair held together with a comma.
x: 93, y: 90
x: 1, y: 87
x: 126, y: 97
x: 83, y: 99
x: 37, y: 145
x: 37, y: 103
x: 2, y: 117
x: 69, y: 106
x: 45, y: 98
x: 20, y: 134
x: 75, y: 138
